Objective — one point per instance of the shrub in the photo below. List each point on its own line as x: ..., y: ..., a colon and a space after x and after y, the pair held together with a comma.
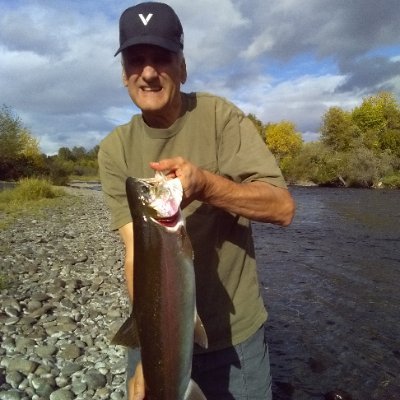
x: 392, y: 181
x: 34, y: 189
x: 29, y: 196
x: 27, y: 190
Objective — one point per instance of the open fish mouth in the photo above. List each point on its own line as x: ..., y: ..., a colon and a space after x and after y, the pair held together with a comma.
x: 168, y: 222
x: 164, y: 197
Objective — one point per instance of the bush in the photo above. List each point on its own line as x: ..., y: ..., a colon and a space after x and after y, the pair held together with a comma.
x: 392, y: 181
x: 29, y: 196
x: 35, y: 189
x: 28, y: 189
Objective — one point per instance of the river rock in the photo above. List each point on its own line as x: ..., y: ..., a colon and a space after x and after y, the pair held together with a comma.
x: 62, y: 394
x: 43, y: 386
x: 45, y: 351
x: 11, y: 395
x: 22, y: 365
x: 70, y: 352
x: 95, y: 379
x: 53, y: 319
x: 14, y: 378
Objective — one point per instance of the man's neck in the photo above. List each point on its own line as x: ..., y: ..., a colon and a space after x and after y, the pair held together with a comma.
x: 164, y: 119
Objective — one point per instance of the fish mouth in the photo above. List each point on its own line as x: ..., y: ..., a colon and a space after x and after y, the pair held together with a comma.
x: 168, y: 222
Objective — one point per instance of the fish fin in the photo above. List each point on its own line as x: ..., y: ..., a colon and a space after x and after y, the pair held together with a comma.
x: 127, y: 334
x: 200, y: 335
x: 193, y: 392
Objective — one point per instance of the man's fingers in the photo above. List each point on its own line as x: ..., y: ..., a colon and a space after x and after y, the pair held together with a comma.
x: 136, y: 386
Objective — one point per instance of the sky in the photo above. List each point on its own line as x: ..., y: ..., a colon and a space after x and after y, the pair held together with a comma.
x: 277, y: 59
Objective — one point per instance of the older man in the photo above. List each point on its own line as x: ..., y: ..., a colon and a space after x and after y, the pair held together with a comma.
x: 229, y: 177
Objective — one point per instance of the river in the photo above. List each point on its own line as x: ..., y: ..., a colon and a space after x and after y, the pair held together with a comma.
x: 331, y: 285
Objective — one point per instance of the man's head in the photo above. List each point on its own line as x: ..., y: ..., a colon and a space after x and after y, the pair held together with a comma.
x: 150, y: 23
x: 151, y: 43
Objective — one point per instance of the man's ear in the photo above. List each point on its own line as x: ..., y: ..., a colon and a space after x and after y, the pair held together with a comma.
x: 124, y: 78
x: 183, y: 70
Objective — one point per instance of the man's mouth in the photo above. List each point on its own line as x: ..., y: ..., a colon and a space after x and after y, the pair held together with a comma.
x: 151, y: 89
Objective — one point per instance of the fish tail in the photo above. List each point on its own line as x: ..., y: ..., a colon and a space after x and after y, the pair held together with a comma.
x: 193, y: 392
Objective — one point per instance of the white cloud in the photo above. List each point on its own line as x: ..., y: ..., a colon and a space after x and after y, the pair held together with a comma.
x: 57, y: 69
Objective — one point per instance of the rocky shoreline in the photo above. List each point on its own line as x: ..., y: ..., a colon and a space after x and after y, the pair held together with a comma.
x: 65, y: 300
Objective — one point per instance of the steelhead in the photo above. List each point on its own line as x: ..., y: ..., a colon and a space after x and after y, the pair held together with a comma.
x: 164, y: 321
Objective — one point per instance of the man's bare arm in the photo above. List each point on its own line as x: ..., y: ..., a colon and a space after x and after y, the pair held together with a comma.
x: 126, y: 233
x: 258, y: 201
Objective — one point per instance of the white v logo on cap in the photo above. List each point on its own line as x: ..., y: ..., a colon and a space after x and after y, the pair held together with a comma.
x: 145, y: 20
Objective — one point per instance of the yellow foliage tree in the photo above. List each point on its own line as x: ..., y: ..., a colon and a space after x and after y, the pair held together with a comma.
x: 283, y: 140
x: 30, y: 148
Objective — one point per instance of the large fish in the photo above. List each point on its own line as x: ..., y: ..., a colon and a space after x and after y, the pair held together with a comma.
x: 164, y: 322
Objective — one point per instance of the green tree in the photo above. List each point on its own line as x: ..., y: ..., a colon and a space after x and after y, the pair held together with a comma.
x: 317, y: 163
x: 376, y: 117
x: 79, y: 153
x: 258, y: 124
x: 20, y: 155
x: 10, y: 131
x: 65, y: 154
x: 338, y: 131
x: 390, y: 141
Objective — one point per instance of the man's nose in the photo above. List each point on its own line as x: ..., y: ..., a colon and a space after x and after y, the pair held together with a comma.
x: 149, y: 72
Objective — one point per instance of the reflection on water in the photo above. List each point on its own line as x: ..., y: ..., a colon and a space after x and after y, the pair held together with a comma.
x: 331, y: 285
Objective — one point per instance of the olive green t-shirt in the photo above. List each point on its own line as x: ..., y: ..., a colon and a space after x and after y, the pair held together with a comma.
x: 214, y: 135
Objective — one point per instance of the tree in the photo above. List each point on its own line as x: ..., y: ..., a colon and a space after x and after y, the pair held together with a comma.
x: 258, y: 124
x: 10, y: 129
x: 79, y: 153
x: 375, y: 117
x: 338, y: 131
x: 19, y: 151
x: 283, y: 140
x: 390, y: 141
x: 65, y: 154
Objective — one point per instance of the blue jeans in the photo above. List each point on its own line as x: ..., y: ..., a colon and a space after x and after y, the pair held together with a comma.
x: 241, y: 372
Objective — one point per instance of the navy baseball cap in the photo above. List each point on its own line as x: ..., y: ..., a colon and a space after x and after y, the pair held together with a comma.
x: 150, y: 23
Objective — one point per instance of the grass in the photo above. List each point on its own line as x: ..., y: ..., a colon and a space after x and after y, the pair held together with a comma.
x: 85, y: 178
x: 29, y: 196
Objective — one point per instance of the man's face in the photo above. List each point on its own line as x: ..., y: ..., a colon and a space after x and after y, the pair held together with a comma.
x: 153, y: 76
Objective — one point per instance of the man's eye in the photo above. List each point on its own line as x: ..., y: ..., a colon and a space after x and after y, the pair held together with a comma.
x: 134, y: 61
x: 162, y: 59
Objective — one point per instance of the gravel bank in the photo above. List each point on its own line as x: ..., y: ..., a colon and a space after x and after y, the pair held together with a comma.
x: 66, y: 300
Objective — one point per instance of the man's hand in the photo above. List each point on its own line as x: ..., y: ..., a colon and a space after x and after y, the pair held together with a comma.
x: 193, y: 179
x: 136, y: 386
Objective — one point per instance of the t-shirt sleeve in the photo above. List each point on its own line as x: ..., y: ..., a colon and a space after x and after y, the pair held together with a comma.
x: 113, y: 178
x: 242, y: 154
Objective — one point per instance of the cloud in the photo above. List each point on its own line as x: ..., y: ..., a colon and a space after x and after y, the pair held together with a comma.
x: 370, y: 74
x: 280, y: 59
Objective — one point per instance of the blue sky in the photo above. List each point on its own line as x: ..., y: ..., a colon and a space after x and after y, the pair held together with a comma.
x: 278, y: 59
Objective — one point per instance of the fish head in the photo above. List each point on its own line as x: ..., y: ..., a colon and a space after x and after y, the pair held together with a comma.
x: 157, y: 198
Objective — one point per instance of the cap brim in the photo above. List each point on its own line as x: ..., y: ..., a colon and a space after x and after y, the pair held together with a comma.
x: 152, y: 40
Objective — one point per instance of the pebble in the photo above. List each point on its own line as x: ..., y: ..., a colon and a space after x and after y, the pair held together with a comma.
x: 65, y: 301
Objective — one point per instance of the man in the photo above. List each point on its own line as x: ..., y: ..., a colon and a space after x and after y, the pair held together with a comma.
x: 229, y: 177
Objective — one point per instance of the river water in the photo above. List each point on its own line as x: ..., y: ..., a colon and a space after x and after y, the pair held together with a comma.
x: 331, y: 283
